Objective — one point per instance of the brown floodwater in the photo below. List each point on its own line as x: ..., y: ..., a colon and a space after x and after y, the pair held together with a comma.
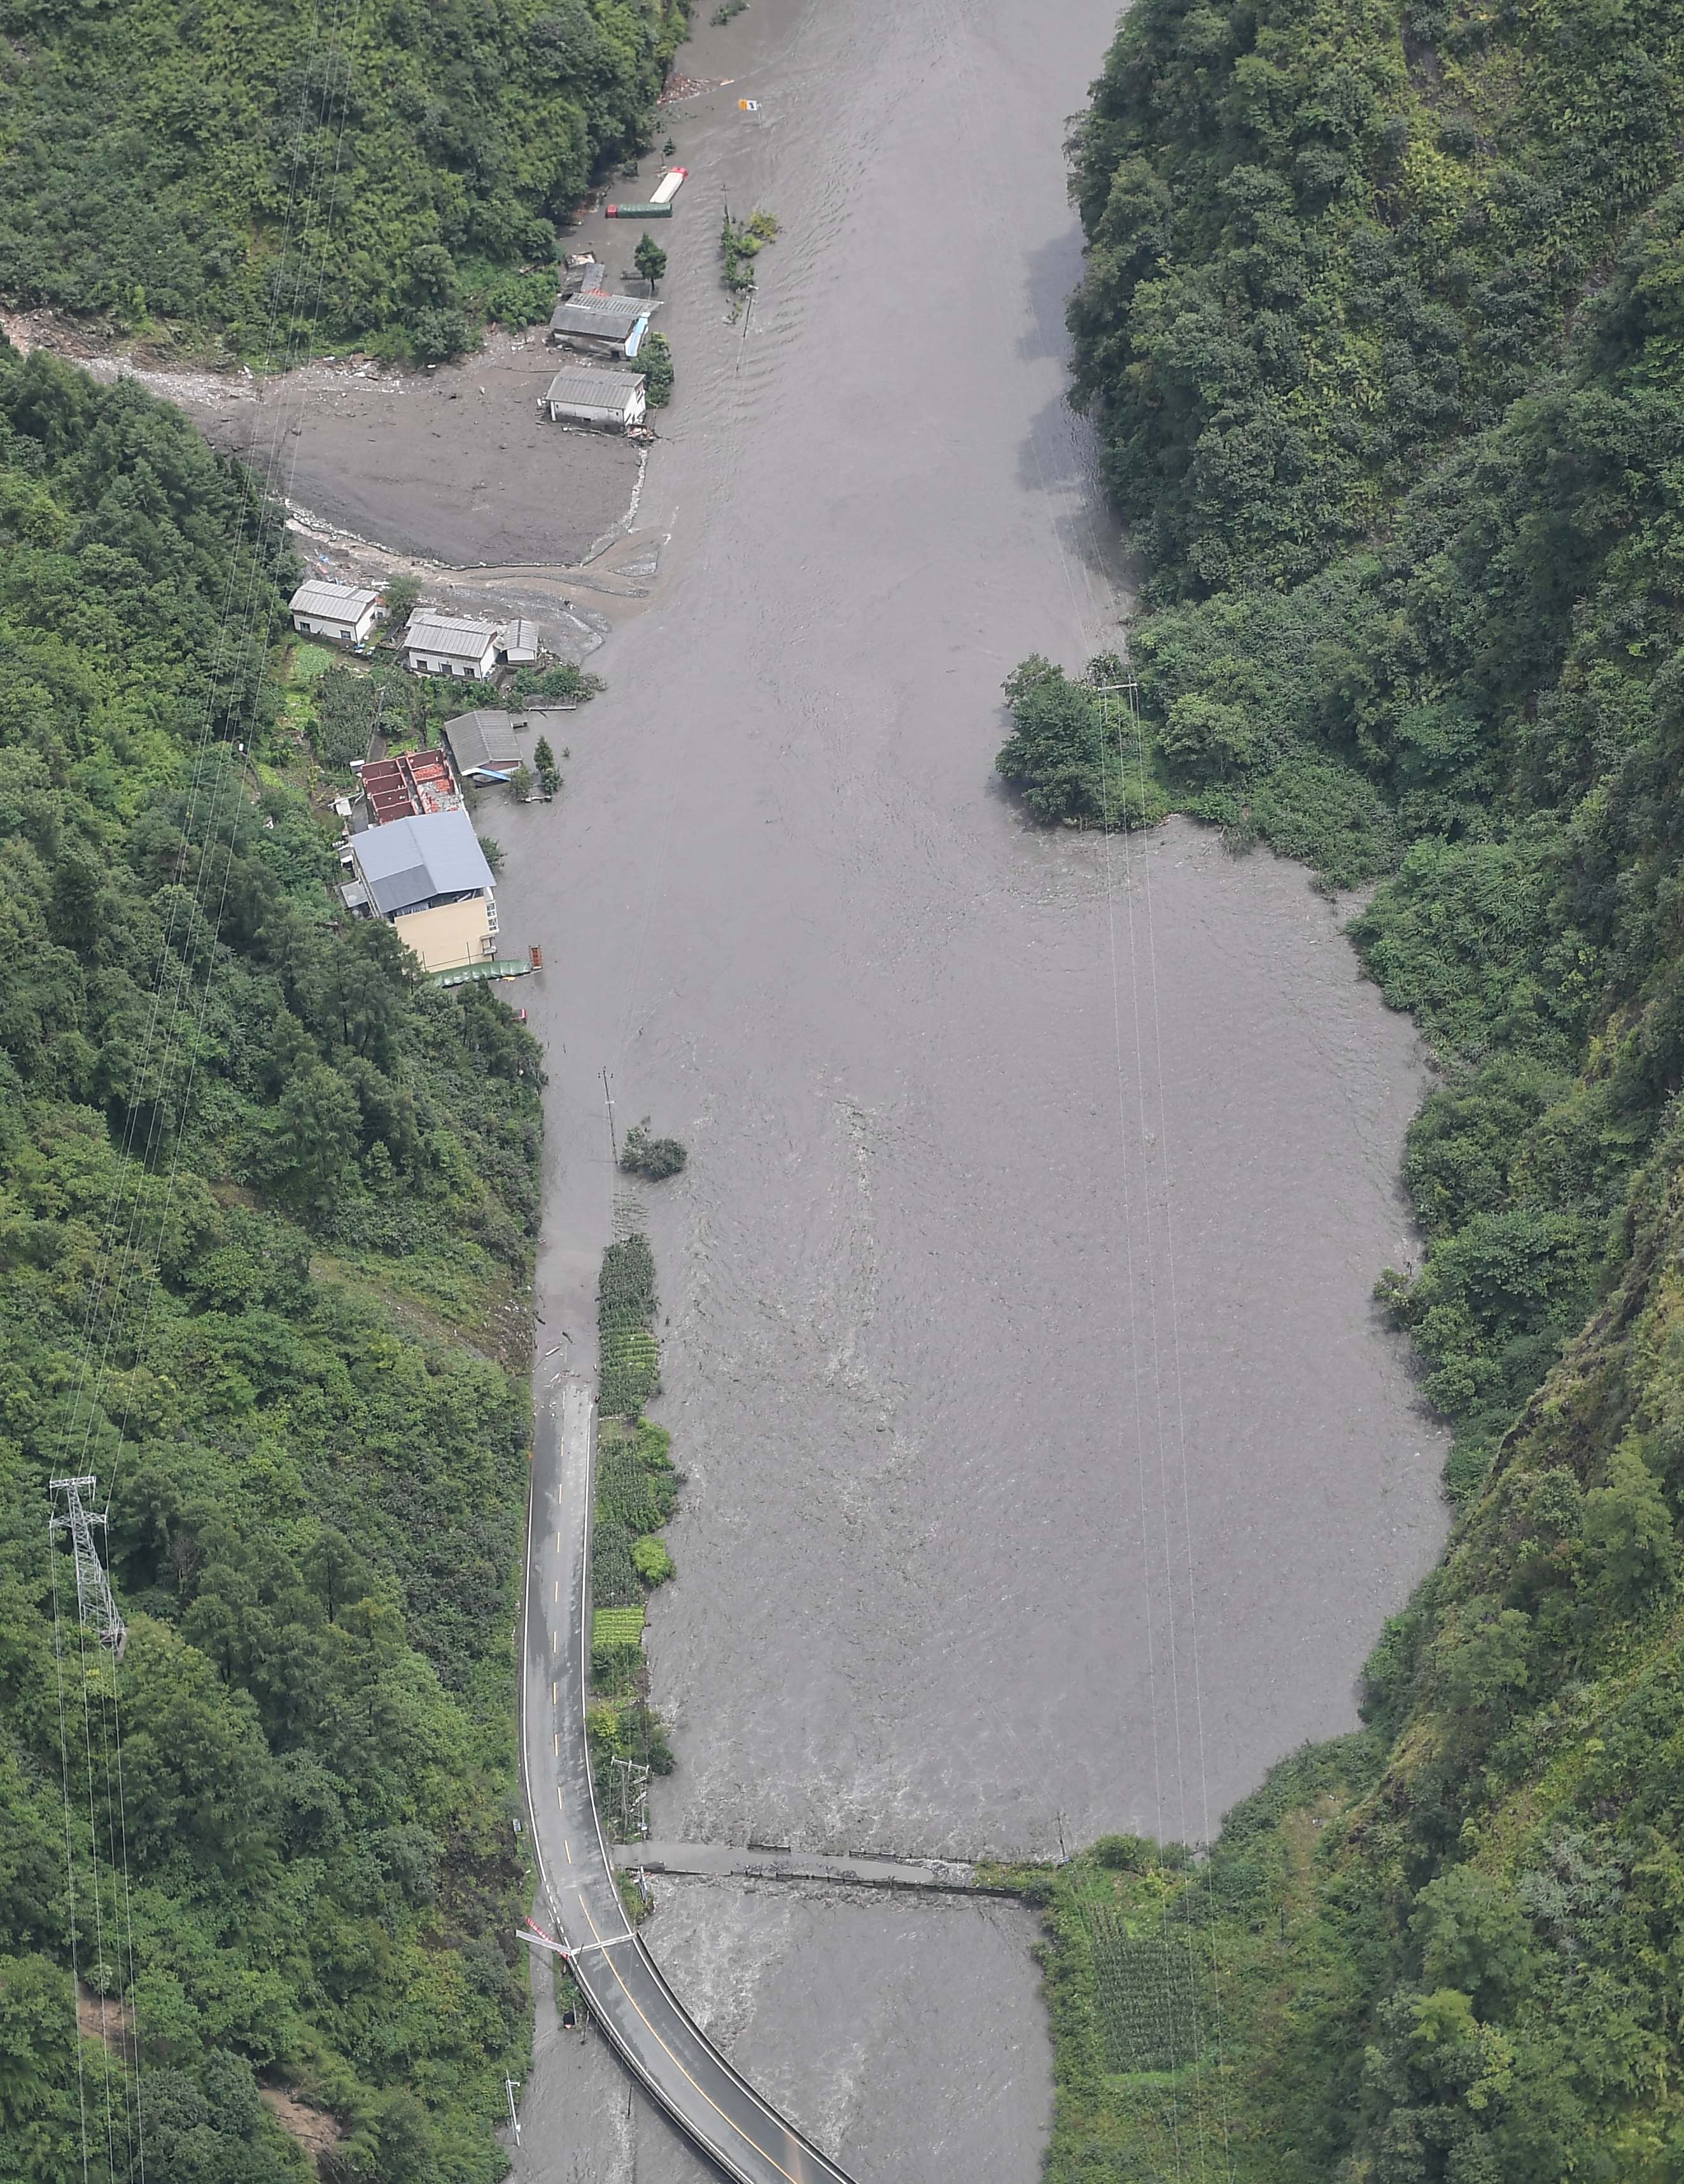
x: 1050, y: 1468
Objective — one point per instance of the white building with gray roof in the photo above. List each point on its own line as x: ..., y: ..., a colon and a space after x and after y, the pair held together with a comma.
x: 580, y: 396
x: 322, y: 608
x: 451, y: 644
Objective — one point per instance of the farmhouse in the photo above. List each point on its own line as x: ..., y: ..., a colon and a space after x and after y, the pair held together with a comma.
x: 321, y: 608
x: 601, y: 326
x: 450, y: 644
x: 428, y: 878
x: 615, y: 399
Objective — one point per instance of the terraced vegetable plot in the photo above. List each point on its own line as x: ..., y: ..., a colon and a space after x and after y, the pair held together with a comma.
x: 1147, y: 1992
x: 617, y: 1626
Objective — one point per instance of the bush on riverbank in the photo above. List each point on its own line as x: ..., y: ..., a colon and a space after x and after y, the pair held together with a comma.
x: 658, y: 372
x: 1381, y: 318
x: 1074, y: 751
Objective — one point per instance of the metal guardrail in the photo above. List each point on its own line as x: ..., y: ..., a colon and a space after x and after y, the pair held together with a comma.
x: 506, y: 966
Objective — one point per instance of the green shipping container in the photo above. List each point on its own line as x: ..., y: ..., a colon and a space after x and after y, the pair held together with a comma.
x: 638, y: 212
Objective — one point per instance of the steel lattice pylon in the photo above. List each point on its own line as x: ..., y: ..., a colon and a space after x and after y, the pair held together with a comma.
x: 95, y: 1607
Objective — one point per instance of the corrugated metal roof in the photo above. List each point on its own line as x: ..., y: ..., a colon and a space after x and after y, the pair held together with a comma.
x: 581, y: 388
x: 612, y: 318
x: 521, y: 636
x: 410, y: 862
x: 486, y: 738
x: 456, y: 636
x: 319, y: 595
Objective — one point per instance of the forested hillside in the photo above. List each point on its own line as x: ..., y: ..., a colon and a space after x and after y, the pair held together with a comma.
x: 267, y: 1207
x: 1383, y: 325
x: 288, y: 175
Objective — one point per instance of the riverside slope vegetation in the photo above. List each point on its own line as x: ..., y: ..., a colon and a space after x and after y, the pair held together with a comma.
x: 267, y: 1213
x: 280, y: 178
x: 1383, y: 325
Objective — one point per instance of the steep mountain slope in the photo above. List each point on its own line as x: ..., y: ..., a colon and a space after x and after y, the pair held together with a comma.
x: 266, y: 1216
x: 1382, y: 321
x: 278, y: 176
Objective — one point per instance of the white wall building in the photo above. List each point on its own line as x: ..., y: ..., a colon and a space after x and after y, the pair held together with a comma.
x: 613, y: 398
x: 321, y: 608
x: 451, y: 644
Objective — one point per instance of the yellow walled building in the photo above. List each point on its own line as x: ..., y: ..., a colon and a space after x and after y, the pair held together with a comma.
x: 428, y: 878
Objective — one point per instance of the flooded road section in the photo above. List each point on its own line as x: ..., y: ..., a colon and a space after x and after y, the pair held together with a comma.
x: 1050, y: 1470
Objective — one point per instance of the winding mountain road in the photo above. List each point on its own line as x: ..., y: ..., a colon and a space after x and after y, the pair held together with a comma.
x: 642, y: 2018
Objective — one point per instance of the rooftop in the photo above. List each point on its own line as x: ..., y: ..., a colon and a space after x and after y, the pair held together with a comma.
x: 483, y: 739
x: 611, y: 317
x: 408, y: 863
x: 593, y: 390
x: 456, y: 636
x: 320, y: 595
x: 408, y: 784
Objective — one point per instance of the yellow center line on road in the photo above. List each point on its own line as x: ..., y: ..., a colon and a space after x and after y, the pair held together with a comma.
x: 554, y: 1701
x: 673, y: 2059
x: 558, y: 1589
x: 557, y: 1796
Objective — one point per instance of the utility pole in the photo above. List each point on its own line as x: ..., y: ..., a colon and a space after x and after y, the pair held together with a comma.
x: 95, y: 1607
x: 510, y: 2088
x: 608, y: 1101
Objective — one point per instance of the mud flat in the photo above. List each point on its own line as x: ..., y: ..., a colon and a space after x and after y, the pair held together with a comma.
x: 452, y: 466
x: 1050, y: 1467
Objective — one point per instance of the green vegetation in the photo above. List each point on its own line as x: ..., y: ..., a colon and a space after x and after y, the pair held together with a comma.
x: 625, y: 1321
x: 637, y: 1490
x: 656, y: 358
x: 654, y: 1158
x: 278, y: 184
x: 559, y: 684
x: 650, y: 259
x: 727, y: 13
x: 1074, y: 751
x: 267, y: 1212
x: 549, y: 773
x: 1381, y: 321
x: 740, y: 244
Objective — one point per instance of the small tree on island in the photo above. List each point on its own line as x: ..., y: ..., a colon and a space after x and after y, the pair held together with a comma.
x: 654, y: 1158
x: 549, y: 773
x: 651, y: 261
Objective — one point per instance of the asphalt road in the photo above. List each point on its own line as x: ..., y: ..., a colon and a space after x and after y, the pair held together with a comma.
x: 628, y: 1997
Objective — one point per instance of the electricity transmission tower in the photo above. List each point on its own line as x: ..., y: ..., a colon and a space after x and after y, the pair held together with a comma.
x: 95, y: 1607
x: 633, y: 1782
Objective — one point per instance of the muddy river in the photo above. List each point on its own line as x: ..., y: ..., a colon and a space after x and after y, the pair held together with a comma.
x: 1050, y: 1470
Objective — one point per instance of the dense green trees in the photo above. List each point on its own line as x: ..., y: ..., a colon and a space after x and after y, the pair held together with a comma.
x: 280, y: 176
x: 267, y: 1205
x: 1380, y: 323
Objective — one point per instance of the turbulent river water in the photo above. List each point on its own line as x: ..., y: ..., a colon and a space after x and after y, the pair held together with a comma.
x: 1050, y: 1470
